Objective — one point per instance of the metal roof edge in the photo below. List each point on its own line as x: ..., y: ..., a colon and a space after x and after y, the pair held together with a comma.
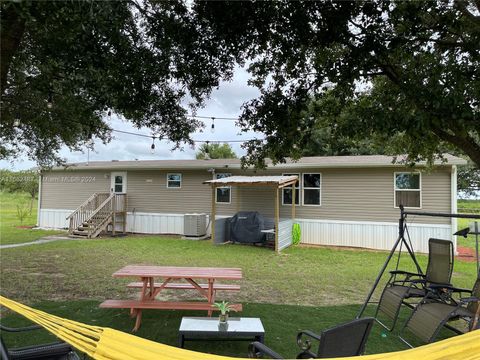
x: 451, y: 161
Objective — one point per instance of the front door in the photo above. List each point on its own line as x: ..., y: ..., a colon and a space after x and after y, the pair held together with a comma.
x: 118, y: 182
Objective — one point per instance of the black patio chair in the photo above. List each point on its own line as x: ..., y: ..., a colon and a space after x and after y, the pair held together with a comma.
x: 348, y: 339
x: 404, y: 285
x: 51, y: 351
x: 439, y: 307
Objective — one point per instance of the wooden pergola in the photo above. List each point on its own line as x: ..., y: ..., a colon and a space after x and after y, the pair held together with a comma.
x: 277, y: 182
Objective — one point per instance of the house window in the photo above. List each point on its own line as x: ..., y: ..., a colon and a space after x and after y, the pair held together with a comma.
x: 312, y: 184
x: 408, y: 190
x: 174, y: 181
x: 223, y: 193
x: 287, y: 193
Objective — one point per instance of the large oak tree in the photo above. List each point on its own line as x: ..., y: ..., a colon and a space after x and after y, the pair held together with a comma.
x: 403, y: 70
x: 66, y: 65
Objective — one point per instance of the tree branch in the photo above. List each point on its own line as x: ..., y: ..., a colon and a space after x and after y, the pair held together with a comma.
x: 13, y: 28
x: 466, y: 143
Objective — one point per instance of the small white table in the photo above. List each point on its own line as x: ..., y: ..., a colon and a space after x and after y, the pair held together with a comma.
x: 206, y: 328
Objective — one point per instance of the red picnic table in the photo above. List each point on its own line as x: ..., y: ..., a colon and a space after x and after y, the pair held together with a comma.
x: 169, y: 277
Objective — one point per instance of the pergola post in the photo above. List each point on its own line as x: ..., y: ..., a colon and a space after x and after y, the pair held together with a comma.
x: 293, y: 202
x: 277, y: 216
x: 212, y: 214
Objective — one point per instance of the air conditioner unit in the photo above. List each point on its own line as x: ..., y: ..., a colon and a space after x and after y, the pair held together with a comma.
x: 195, y: 225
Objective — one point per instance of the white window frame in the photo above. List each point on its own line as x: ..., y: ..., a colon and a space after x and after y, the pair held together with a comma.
x: 223, y: 187
x: 312, y: 188
x: 395, y: 188
x: 297, y: 190
x: 168, y: 181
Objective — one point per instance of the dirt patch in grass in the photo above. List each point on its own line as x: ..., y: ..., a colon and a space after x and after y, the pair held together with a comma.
x: 466, y: 254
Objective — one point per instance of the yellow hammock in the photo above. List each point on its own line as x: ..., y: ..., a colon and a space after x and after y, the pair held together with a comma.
x: 105, y: 343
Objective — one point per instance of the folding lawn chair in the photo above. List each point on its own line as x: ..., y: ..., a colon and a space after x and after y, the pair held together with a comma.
x: 348, y: 339
x: 439, y: 307
x: 52, y: 351
x: 404, y: 285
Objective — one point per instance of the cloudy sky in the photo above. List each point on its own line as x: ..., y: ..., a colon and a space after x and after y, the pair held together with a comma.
x: 224, y: 102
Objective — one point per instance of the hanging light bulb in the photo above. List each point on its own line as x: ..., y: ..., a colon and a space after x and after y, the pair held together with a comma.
x: 212, y: 129
x: 152, y: 147
x: 50, y: 100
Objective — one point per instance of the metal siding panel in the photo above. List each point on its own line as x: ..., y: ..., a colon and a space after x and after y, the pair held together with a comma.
x: 151, y: 223
x: 285, y: 234
x: 369, y: 235
x: 54, y: 218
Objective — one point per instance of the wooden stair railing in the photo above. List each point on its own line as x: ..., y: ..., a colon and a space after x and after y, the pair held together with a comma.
x: 84, y: 211
x: 96, y: 213
x: 102, y: 216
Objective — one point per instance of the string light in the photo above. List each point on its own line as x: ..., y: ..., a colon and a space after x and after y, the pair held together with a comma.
x: 50, y: 100
x: 195, y: 141
x: 209, y: 117
x: 207, y: 142
x: 152, y: 147
x: 213, y: 125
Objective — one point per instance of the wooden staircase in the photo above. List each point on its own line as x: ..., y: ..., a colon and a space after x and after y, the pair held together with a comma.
x: 100, y: 212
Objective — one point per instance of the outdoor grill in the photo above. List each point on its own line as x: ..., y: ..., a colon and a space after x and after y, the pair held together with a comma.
x: 246, y: 227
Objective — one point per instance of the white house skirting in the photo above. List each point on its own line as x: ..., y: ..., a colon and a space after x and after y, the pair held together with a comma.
x: 53, y: 218
x: 155, y: 223
x: 373, y: 235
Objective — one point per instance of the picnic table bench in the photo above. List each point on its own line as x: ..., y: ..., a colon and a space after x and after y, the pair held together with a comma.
x: 187, y: 286
x: 149, y: 289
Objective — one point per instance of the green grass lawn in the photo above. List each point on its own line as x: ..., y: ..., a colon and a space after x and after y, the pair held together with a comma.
x: 10, y: 231
x: 301, y: 288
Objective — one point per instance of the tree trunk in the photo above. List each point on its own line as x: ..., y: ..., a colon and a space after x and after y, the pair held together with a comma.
x: 13, y: 27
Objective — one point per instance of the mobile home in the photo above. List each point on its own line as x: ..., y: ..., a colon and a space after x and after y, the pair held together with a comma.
x: 342, y: 201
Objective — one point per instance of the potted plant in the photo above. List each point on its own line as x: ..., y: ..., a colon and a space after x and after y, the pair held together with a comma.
x: 224, y: 307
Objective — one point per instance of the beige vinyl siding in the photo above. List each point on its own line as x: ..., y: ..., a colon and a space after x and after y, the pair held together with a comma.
x: 154, y: 196
x: 368, y: 195
x: 357, y: 194
x: 261, y: 199
x: 69, y: 189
